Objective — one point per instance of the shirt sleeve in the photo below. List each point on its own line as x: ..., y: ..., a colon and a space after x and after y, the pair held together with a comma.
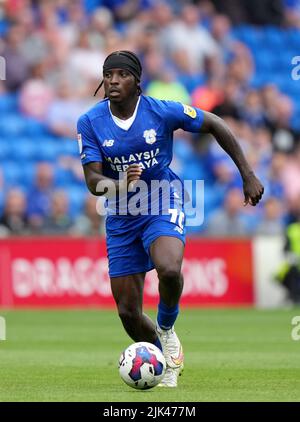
x: 88, y: 146
x: 183, y: 116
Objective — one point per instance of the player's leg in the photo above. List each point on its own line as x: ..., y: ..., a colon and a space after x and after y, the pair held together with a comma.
x: 126, y: 255
x: 128, y: 294
x: 167, y: 254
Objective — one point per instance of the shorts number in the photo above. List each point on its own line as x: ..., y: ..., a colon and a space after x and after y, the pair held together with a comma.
x: 176, y: 217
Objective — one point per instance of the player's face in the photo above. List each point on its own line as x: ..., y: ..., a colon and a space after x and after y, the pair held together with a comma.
x: 119, y: 84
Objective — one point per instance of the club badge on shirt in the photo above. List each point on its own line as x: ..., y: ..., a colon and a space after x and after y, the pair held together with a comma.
x: 150, y: 136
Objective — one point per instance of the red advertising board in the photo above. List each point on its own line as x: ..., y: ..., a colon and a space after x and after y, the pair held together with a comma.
x: 66, y: 272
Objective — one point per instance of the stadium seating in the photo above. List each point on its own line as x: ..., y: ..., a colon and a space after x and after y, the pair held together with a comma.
x: 25, y: 141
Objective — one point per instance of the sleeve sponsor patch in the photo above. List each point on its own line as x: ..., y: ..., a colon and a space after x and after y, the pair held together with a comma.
x: 79, y: 138
x: 190, y: 111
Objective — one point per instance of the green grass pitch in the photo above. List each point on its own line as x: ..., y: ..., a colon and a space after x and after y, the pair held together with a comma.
x: 230, y: 355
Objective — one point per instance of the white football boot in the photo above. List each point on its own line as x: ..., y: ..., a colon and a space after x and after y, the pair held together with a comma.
x: 173, y: 353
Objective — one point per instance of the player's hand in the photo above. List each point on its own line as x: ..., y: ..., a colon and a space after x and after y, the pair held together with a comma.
x: 134, y: 172
x: 253, y: 190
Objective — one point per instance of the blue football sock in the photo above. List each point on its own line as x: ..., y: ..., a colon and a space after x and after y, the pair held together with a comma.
x: 167, y: 315
x: 157, y: 343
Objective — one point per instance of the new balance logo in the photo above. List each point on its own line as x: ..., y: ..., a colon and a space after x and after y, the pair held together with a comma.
x: 178, y: 229
x: 108, y: 143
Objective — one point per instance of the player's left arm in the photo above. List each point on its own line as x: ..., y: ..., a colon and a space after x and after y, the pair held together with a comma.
x: 253, y: 189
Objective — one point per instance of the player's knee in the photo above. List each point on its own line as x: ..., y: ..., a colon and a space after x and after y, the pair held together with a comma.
x: 169, y: 274
x: 129, y: 316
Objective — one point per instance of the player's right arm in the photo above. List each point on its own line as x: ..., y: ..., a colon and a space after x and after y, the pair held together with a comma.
x: 91, y: 158
x: 94, y: 176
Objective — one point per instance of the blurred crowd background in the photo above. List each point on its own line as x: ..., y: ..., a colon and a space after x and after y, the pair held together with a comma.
x: 235, y: 58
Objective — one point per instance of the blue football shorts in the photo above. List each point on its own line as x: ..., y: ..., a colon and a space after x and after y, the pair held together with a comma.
x: 128, y: 239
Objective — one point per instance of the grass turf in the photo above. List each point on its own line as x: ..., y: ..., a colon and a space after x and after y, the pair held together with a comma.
x: 230, y: 355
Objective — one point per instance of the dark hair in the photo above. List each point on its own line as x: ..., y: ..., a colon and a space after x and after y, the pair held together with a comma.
x: 123, y: 59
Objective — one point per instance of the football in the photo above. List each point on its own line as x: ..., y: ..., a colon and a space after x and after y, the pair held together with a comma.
x: 142, y: 365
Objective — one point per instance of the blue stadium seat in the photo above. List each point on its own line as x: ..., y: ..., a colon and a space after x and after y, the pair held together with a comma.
x: 47, y: 149
x: 250, y: 35
x: 24, y: 149
x: 292, y: 38
x: 4, y: 149
x: 264, y: 61
x: 295, y: 122
x: 34, y: 128
x: 28, y: 174
x: 274, y: 37
x: 258, y: 80
x: 12, y: 173
x: 76, y: 196
x: 62, y: 177
x: 1, y: 202
x: 8, y: 103
x: 69, y: 147
x: 214, y: 196
x: 12, y: 125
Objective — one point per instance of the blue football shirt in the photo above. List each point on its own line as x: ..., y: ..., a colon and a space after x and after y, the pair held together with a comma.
x: 148, y: 142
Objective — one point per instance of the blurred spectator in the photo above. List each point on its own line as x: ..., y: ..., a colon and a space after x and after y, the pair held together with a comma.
x: 90, y: 223
x: 294, y: 210
x: 58, y: 221
x: 13, y: 220
x: 241, y: 66
x: 154, y: 63
x: 273, y: 177
x: 292, y: 13
x: 72, y: 19
x: 230, y: 99
x: 167, y: 88
x: 194, y: 52
x: 86, y: 61
x: 185, y: 72
x: 187, y: 33
x: 228, y: 221
x: 222, y: 167
x: 252, y: 110
x: 64, y: 111
x: 255, y: 11
x: 290, y: 176
x: 162, y: 17
x: 264, y: 12
x: 126, y: 9
x: 220, y: 30
x: 232, y: 8
x: 283, y: 136
x: 17, y: 69
x: 100, y: 26
x: 289, y: 271
x: 208, y: 96
x: 39, y: 197
x: 36, y: 95
x: 272, y: 222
